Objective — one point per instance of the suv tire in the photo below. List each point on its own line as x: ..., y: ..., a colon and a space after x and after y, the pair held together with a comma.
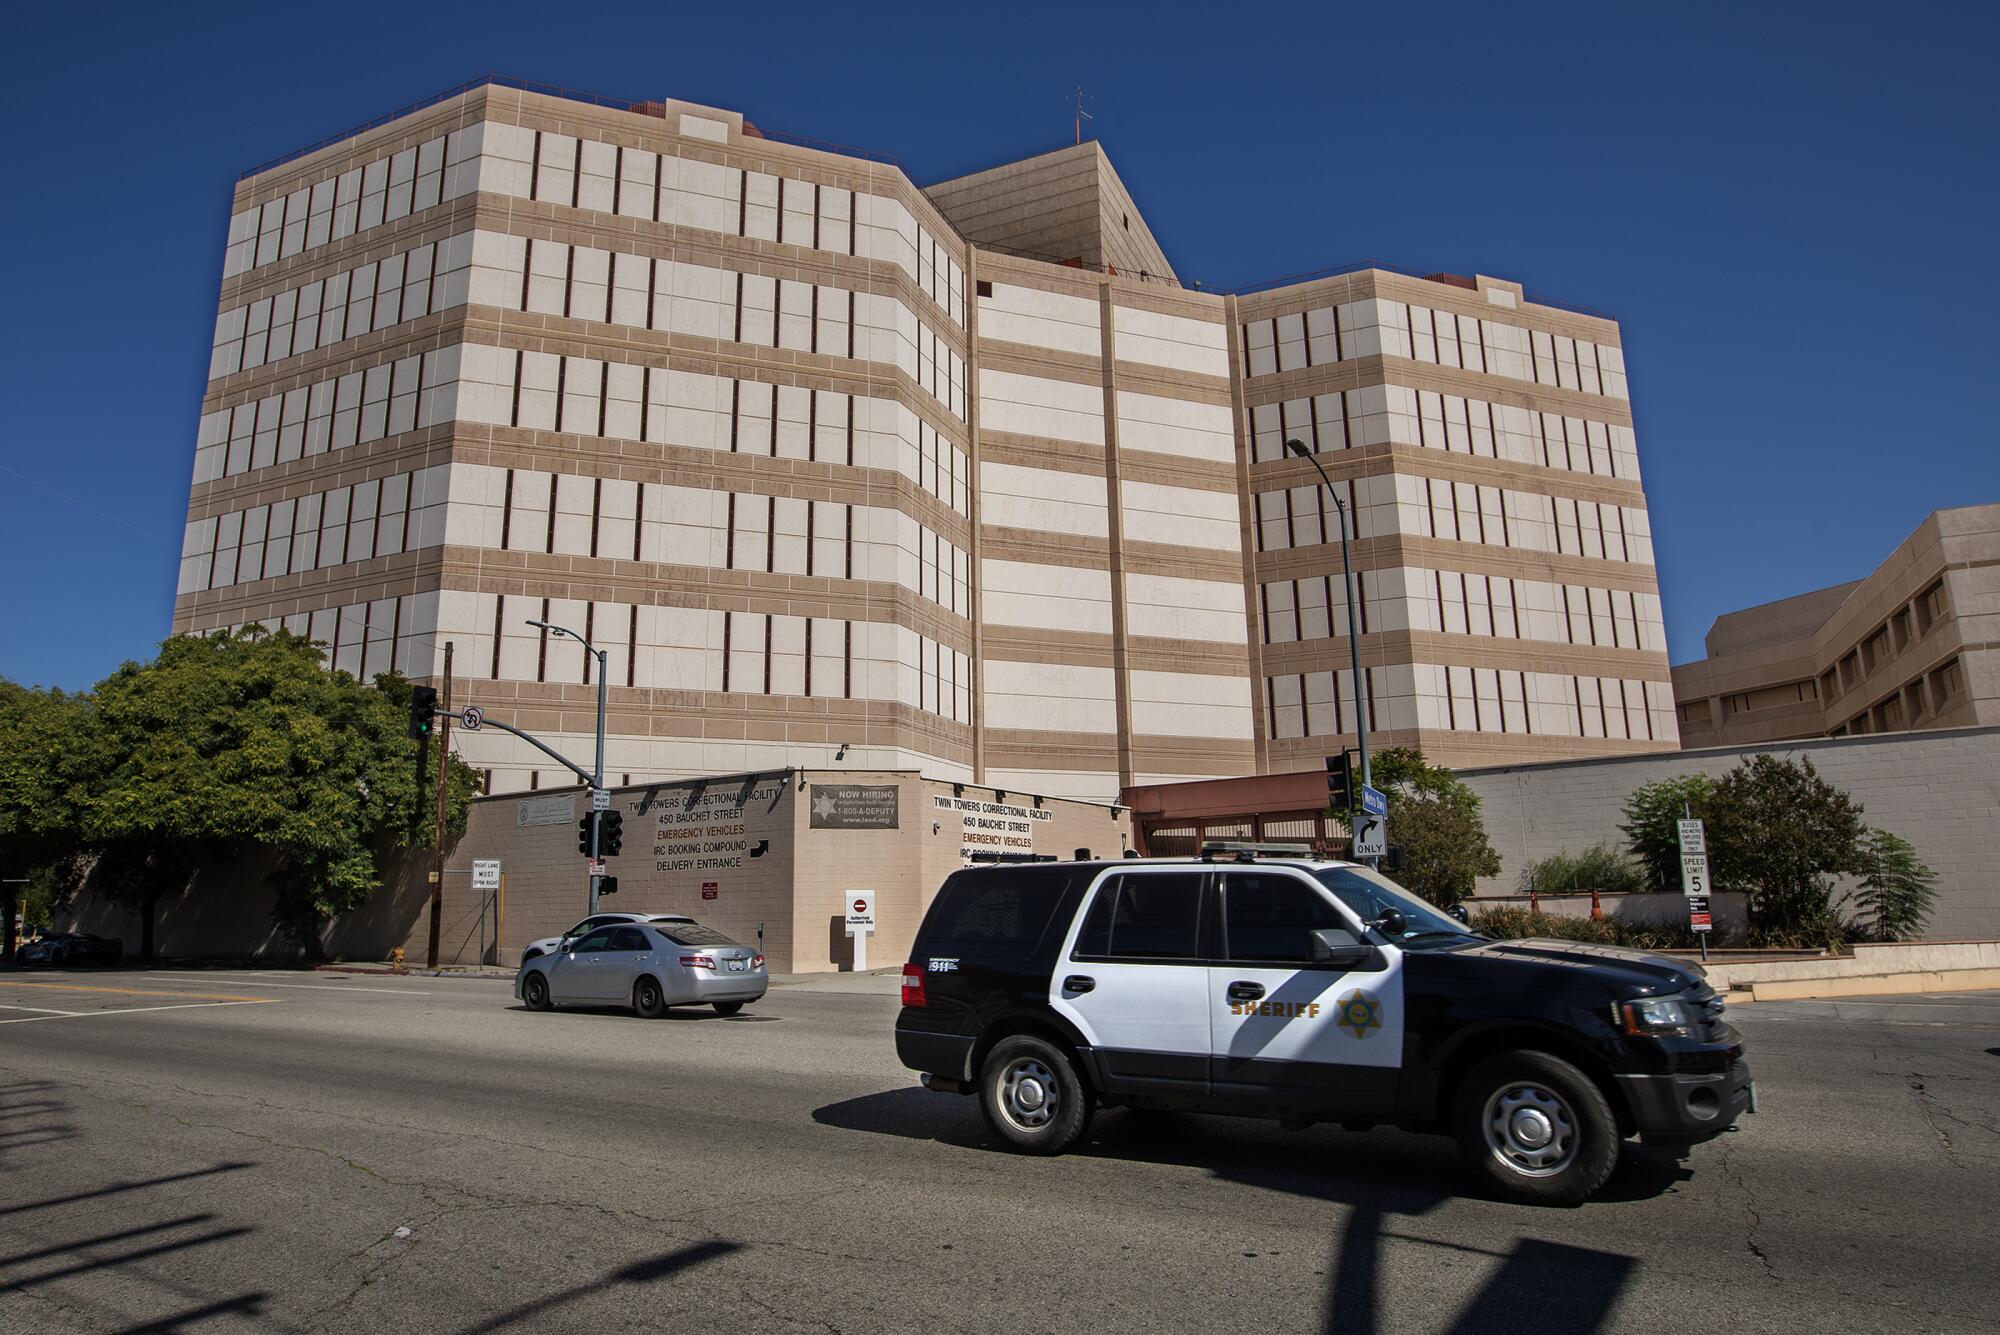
x: 1535, y: 1128
x: 1033, y: 1096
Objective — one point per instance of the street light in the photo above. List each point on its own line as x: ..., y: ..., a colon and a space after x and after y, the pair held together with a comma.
x: 1353, y: 630
x: 597, y: 779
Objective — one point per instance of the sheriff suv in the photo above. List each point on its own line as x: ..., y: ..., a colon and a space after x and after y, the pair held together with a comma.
x: 1307, y: 991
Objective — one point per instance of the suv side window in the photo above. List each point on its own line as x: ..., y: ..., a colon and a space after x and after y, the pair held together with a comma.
x: 597, y: 940
x: 1272, y: 917
x: 1145, y: 917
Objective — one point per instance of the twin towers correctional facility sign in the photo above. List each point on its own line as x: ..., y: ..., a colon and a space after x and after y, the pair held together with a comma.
x: 993, y: 827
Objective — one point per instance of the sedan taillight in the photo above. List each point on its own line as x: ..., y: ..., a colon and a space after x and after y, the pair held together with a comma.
x: 913, y: 986
x: 698, y: 962
x: 757, y: 963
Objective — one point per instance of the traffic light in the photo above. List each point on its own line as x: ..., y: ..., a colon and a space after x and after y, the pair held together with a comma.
x: 1339, y: 783
x: 583, y: 833
x: 610, y: 833
x: 423, y: 704
x: 607, y: 885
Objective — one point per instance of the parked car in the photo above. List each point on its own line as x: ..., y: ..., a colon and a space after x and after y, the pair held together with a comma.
x: 549, y: 945
x: 1308, y: 991
x: 70, y: 948
x: 647, y: 966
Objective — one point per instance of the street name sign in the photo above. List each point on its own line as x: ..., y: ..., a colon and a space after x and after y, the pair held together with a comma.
x: 1374, y: 802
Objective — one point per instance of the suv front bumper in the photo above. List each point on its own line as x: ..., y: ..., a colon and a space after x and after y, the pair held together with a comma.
x: 1681, y: 1108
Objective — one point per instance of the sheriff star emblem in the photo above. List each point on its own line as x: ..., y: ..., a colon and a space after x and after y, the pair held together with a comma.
x: 1360, y: 1013
x: 823, y: 804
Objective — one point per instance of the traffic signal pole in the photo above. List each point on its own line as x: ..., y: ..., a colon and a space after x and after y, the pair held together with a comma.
x: 1353, y: 626
x: 443, y: 731
x: 597, y: 784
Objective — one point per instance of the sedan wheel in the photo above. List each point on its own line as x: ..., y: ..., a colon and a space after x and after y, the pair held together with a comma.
x: 535, y: 992
x: 647, y: 999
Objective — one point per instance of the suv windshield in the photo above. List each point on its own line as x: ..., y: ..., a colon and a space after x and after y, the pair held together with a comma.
x: 1370, y: 894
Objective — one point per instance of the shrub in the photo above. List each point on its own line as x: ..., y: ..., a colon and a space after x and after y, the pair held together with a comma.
x: 1599, y: 867
x: 1897, y: 890
x: 1515, y: 924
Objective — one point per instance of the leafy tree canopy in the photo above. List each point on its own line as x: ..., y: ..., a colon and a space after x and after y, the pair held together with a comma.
x: 226, y: 743
x: 1435, y: 816
x: 1651, y: 829
x: 1897, y: 889
x: 1780, y: 832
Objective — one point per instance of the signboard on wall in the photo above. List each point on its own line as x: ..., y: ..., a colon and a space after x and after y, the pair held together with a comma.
x: 555, y: 809
x: 707, y: 829
x: 993, y: 827
x: 854, y: 806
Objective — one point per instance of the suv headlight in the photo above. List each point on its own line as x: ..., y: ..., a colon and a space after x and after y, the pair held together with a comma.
x: 1655, y: 1015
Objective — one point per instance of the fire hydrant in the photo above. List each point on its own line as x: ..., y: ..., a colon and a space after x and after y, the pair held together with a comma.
x: 396, y: 959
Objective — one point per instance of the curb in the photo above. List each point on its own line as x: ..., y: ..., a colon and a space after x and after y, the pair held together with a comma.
x: 1881, y: 985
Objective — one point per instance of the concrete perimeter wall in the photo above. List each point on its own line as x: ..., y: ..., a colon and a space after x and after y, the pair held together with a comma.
x: 1938, y: 789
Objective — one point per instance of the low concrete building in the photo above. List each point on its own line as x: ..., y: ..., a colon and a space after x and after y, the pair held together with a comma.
x: 771, y: 858
x: 1916, y: 644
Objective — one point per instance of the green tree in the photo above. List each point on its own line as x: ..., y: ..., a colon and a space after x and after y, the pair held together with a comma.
x: 1650, y: 829
x: 40, y: 787
x: 226, y: 744
x: 1897, y: 890
x: 1435, y: 816
x: 1781, y: 833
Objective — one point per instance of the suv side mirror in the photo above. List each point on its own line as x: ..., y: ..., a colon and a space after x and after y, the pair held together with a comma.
x: 1391, y: 923
x: 1460, y: 912
x: 1341, y: 949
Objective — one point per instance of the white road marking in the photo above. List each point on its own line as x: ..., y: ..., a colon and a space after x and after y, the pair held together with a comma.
x: 137, y: 1010
x: 323, y: 987
x: 39, y: 1010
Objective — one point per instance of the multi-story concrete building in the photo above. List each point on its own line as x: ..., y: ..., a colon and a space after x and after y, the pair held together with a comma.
x: 1916, y: 644
x: 838, y: 469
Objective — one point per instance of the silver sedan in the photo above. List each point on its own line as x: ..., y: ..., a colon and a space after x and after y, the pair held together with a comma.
x: 647, y: 966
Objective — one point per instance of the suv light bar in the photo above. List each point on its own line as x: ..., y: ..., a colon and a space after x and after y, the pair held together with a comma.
x: 1243, y: 851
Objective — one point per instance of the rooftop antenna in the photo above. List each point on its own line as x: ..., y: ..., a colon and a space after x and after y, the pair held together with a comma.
x: 1081, y: 114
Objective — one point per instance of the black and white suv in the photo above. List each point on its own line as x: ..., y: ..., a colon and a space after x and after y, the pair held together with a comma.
x: 1307, y: 991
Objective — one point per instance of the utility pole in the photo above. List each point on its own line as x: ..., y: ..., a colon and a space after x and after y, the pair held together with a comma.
x: 1353, y: 626
x: 444, y: 769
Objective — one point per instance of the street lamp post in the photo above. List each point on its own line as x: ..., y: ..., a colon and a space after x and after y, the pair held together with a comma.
x: 597, y: 777
x: 1353, y: 628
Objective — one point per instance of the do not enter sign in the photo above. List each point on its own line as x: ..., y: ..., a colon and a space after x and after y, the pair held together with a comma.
x: 861, y: 911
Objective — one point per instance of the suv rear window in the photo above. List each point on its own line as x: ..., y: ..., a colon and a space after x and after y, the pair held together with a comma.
x: 998, y: 914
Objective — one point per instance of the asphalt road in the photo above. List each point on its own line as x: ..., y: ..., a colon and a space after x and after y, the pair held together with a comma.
x: 296, y: 1152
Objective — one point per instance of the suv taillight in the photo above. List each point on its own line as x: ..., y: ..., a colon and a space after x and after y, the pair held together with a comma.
x: 913, y: 986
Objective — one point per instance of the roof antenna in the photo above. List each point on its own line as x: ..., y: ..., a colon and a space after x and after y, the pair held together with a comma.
x: 1081, y: 114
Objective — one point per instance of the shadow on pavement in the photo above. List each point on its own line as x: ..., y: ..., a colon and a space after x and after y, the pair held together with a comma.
x: 1538, y: 1286
x: 649, y: 1271
x: 38, y: 1109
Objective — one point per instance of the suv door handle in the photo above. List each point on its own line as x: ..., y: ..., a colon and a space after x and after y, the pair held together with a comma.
x: 1079, y: 982
x: 1241, y: 991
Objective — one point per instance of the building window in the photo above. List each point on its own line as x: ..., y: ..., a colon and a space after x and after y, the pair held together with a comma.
x: 1875, y: 650
x: 1930, y: 607
x: 1946, y: 683
x: 983, y: 287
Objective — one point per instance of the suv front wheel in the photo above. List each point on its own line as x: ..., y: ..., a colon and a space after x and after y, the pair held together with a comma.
x: 1033, y: 1096
x: 1534, y: 1127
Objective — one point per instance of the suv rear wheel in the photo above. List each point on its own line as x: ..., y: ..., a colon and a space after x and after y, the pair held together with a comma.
x: 1533, y: 1127
x: 1033, y: 1096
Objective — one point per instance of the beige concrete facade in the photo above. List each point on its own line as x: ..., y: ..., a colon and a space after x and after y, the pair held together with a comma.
x: 693, y: 848
x: 836, y: 477
x: 1914, y: 645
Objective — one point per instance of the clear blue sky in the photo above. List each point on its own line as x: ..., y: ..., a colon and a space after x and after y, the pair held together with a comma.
x: 1790, y: 208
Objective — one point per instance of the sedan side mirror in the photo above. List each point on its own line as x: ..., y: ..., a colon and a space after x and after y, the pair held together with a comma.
x: 1341, y: 949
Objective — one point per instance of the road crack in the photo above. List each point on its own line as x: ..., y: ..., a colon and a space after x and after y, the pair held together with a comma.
x: 1730, y: 1171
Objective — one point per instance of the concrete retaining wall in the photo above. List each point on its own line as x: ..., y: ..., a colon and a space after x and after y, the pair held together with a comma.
x: 1939, y: 789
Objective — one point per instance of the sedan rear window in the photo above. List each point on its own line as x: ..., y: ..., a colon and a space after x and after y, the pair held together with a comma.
x: 692, y: 934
